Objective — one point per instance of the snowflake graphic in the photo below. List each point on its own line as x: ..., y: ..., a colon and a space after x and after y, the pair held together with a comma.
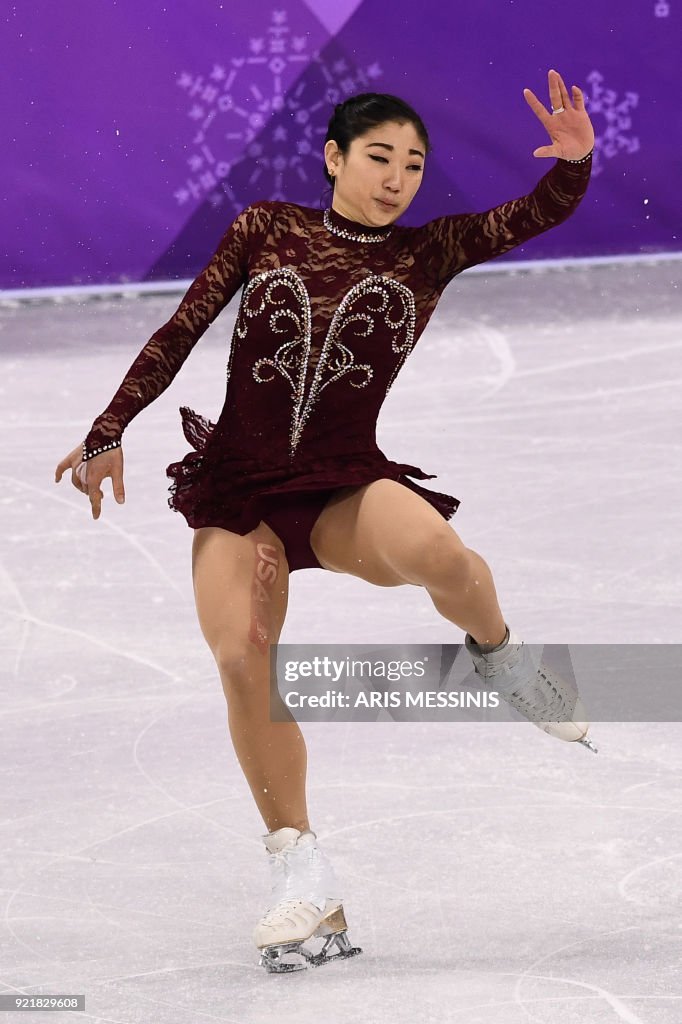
x: 613, y: 138
x: 258, y: 126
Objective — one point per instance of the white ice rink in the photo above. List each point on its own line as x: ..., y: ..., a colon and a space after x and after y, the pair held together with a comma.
x: 492, y: 875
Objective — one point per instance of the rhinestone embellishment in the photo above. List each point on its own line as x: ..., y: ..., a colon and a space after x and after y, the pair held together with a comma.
x: 582, y: 160
x: 291, y: 359
x: 352, y: 236
x: 96, y: 451
x: 336, y: 359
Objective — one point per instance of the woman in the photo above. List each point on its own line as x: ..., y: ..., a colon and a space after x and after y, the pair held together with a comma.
x: 291, y: 477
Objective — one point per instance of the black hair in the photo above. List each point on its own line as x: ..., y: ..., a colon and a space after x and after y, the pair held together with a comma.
x: 358, y: 114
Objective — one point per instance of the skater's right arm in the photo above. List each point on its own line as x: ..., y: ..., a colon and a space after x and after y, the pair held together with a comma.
x: 168, y: 348
x: 101, y: 455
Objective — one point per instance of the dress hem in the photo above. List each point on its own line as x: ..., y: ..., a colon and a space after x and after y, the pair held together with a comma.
x: 236, y: 498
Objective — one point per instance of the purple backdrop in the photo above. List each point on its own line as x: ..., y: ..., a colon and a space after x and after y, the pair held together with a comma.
x: 135, y: 131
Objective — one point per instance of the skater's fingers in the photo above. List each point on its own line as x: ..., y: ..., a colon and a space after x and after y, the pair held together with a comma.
x: 117, y: 482
x: 61, y: 467
x: 68, y: 462
x: 554, y: 83
x: 78, y: 477
x: 109, y: 463
x: 563, y: 92
x: 95, y: 495
x: 578, y: 98
x: 537, y: 107
x: 75, y: 479
x: 94, y: 475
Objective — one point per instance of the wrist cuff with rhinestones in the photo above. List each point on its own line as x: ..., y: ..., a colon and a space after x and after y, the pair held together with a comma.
x: 97, y: 451
x: 582, y: 160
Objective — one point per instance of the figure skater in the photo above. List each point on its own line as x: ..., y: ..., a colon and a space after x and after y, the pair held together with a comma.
x: 290, y: 475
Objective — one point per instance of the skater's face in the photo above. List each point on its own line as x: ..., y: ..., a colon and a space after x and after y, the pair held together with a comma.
x: 377, y: 179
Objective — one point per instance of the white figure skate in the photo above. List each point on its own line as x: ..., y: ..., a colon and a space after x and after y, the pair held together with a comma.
x: 522, y: 679
x: 303, y: 905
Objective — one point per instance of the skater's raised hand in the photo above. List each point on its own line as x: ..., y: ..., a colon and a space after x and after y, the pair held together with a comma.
x: 570, y: 130
x: 86, y: 477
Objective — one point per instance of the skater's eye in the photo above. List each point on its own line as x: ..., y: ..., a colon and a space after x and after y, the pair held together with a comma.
x: 383, y: 160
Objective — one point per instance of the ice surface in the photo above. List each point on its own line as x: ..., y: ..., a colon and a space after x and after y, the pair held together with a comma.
x: 493, y: 875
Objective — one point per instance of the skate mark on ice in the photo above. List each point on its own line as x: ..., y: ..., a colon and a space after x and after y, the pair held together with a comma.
x: 615, y: 497
x: 500, y: 351
x: 442, y: 813
x: 162, y: 789
x: 22, y: 888
x: 529, y: 408
x: 15, y: 893
x: 640, y: 569
x: 8, y: 581
x: 569, y: 804
x: 654, y: 824
x: 623, y: 884
x: 188, y: 967
x: 573, y: 999
x: 614, y: 1001
x: 181, y: 808
x: 181, y: 968
x: 609, y: 357
x: 589, y: 397
x: 81, y: 703
x: 82, y: 635
x: 200, y: 923
x: 638, y: 785
x: 107, y: 524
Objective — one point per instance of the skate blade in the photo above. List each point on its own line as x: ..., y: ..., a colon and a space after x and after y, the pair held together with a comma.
x: 272, y: 957
x: 584, y: 740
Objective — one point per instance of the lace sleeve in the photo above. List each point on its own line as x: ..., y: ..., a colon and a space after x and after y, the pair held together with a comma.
x: 167, y: 349
x: 463, y: 240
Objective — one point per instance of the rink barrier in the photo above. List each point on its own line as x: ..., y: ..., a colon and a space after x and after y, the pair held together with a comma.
x: 132, y: 289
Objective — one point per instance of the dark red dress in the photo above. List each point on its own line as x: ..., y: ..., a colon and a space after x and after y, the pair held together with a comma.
x: 329, y: 313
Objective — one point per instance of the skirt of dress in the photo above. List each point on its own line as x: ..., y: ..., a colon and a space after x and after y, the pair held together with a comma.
x: 213, y: 488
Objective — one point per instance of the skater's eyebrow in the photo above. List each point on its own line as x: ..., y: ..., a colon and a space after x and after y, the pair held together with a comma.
x: 385, y: 145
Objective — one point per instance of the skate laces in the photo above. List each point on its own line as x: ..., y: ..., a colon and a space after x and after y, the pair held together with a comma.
x: 299, y: 872
x: 278, y: 866
x: 543, y: 698
x: 532, y: 688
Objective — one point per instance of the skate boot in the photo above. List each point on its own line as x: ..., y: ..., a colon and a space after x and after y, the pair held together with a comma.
x: 304, y: 905
x: 521, y: 678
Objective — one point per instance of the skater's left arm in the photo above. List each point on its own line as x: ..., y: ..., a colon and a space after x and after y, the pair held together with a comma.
x: 463, y: 240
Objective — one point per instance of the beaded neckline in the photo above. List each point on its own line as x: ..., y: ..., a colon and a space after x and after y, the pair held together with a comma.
x: 351, y: 230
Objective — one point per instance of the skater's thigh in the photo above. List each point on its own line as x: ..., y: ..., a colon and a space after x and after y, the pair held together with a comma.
x: 241, y: 589
x: 386, y: 534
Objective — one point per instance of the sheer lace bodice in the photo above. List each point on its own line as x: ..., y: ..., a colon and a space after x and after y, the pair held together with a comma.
x: 311, y: 291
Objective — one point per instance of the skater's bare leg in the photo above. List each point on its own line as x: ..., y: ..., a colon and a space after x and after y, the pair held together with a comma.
x: 386, y: 534
x: 241, y: 587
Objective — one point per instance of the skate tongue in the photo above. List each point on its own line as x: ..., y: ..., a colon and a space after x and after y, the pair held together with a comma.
x: 276, y: 841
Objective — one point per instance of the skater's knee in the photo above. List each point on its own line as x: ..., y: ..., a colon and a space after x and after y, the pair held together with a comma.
x: 437, y: 558
x: 243, y: 671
